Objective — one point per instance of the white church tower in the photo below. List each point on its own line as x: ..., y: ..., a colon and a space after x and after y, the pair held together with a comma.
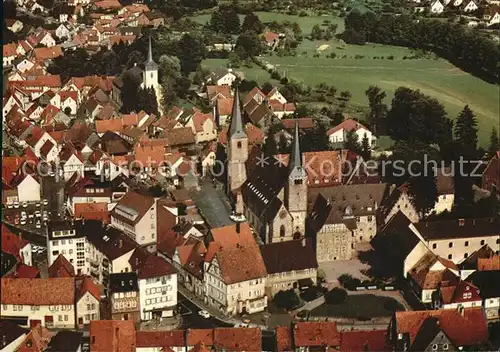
x: 150, y: 74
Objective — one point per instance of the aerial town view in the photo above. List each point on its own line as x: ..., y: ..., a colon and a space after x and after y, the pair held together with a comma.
x: 250, y: 175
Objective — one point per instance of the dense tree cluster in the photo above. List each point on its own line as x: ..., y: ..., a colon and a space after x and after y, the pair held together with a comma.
x: 225, y: 20
x: 468, y: 49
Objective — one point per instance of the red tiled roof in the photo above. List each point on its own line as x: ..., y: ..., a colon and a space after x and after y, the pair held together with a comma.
x: 108, y: 4
x: 154, y: 266
x: 160, y: 339
x: 488, y: 264
x: 225, y: 106
x: 348, y: 125
x: 61, y: 267
x: 25, y: 271
x: 68, y: 94
x: 238, y: 339
x: 11, y: 243
x: 51, y: 81
x: 224, y: 91
x: 304, y: 123
x: 9, y: 50
x: 315, y: 334
x: 52, y: 291
x: 254, y: 134
x: 463, y: 330
x: 179, y: 136
x: 374, y: 340
x: 84, y: 285
x: 199, y: 120
x: 279, y: 107
x: 112, y: 335
x: 150, y: 154
x: 283, y: 339
x: 270, y: 37
x: 200, y: 336
x: 42, y: 54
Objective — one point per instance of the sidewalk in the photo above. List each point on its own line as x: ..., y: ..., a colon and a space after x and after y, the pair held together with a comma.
x: 309, y: 305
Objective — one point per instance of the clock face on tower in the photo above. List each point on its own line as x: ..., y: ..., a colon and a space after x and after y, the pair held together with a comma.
x: 282, y: 214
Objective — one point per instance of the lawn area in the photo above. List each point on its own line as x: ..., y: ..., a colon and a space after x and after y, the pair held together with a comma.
x: 359, y: 306
x: 306, y: 23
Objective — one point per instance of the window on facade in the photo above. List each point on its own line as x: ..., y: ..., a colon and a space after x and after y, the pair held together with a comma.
x: 55, y: 243
x: 466, y: 255
x: 434, y: 246
x: 482, y: 242
x: 298, y: 182
x: 369, y: 218
x: 239, y: 144
x: 450, y: 256
x: 434, y: 347
x: 450, y: 244
x: 282, y: 231
x: 466, y: 243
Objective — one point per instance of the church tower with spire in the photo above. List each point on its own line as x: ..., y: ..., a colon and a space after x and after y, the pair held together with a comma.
x: 150, y: 74
x: 296, y: 187
x: 237, y: 153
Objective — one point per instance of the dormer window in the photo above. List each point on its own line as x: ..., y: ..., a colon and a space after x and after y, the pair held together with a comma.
x: 298, y: 182
x: 238, y: 144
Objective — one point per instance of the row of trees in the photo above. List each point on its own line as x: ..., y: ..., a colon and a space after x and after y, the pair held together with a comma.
x: 468, y: 49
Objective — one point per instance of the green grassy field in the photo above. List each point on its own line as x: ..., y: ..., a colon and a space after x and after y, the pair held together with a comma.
x: 306, y: 23
x: 435, y: 77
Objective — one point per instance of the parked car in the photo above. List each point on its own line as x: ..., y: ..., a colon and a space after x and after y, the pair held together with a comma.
x: 38, y: 224
x: 23, y: 221
x: 45, y: 202
x: 31, y: 215
x: 38, y: 214
x: 38, y: 204
x: 10, y: 205
x: 25, y: 204
x: 16, y: 204
x: 23, y: 215
x: 204, y: 314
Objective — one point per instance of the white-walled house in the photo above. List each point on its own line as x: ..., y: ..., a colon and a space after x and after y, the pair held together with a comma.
x: 135, y: 215
x: 203, y: 126
x: 49, y: 302
x: 223, y: 76
x: 28, y: 188
x: 471, y: 6
x: 88, y: 299
x: 157, y: 280
x: 436, y: 7
x: 235, y: 279
x: 338, y: 134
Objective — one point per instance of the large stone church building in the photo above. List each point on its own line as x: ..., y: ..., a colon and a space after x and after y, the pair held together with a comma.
x: 273, y: 197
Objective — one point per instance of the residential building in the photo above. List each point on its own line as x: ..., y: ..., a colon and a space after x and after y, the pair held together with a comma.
x: 491, y: 178
x: 112, y: 335
x: 438, y: 330
x: 49, y: 302
x: 235, y: 278
x: 157, y: 282
x: 436, y: 7
x: 289, y: 265
x: 124, y: 296
x: 398, y: 200
x: 88, y: 301
x: 135, y: 215
x: 338, y: 134
x: 147, y: 341
x: 308, y: 336
x: 224, y: 76
x: 456, y: 239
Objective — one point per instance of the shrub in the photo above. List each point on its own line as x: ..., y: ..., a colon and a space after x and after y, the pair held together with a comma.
x: 302, y: 14
x: 284, y: 80
x: 390, y: 57
x: 336, y: 296
x: 349, y: 282
x: 275, y: 75
x: 286, y: 299
x: 359, y: 56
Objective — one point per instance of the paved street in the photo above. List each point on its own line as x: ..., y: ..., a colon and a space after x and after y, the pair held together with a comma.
x: 191, y: 318
x: 215, y: 210
x: 336, y: 268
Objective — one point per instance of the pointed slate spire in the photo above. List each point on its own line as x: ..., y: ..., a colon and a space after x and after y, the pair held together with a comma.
x: 295, y: 162
x: 150, y: 64
x: 236, y: 130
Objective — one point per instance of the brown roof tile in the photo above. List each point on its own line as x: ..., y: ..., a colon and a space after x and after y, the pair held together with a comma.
x: 238, y: 339
x: 112, y: 335
x: 52, y: 291
x: 61, y: 267
x: 315, y: 334
x: 160, y: 339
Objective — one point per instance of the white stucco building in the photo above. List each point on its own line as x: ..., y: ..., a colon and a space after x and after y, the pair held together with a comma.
x: 338, y: 134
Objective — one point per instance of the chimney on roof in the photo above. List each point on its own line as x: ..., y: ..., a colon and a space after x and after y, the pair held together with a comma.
x: 461, y: 222
x: 238, y: 229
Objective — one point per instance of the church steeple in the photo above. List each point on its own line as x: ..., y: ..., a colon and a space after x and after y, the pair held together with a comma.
x: 295, y: 167
x: 150, y: 64
x: 236, y: 130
